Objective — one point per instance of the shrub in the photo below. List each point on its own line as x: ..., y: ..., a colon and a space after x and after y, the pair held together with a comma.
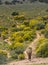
x: 46, y: 31
x: 27, y: 29
x: 21, y: 56
x: 15, y: 13
x: 39, y: 18
x: 26, y: 22
x: 21, y: 27
x: 22, y: 36
x: 14, y: 56
x: 29, y: 35
x: 42, y: 48
x: 33, y: 23
x: 20, y: 17
x: 37, y: 24
x: 17, y: 36
x: 3, y: 57
x: 18, y: 47
x: 4, y: 34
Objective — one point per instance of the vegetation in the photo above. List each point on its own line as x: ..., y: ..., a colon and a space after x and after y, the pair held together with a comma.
x: 18, y: 28
x: 3, y: 57
x: 13, y: 2
x: 41, y: 49
x: 21, y: 56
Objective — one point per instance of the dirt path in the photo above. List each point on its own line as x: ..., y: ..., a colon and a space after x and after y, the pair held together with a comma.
x: 33, y: 44
x: 43, y: 61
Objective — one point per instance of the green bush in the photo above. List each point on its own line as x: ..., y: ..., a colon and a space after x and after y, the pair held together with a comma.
x: 26, y: 22
x: 36, y: 24
x: 21, y: 36
x: 46, y: 31
x: 18, y: 48
x: 15, y: 13
x: 3, y: 57
x: 46, y: 34
x: 21, y: 56
x: 42, y: 48
x: 14, y: 56
x: 29, y: 35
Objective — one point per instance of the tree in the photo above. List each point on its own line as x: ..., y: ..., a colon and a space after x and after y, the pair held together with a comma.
x: 23, y: 0
x: 46, y: 1
x: 6, y: 2
x: 15, y: 14
x: 13, y: 2
x: 0, y: 2
x: 32, y: 1
x: 41, y: 0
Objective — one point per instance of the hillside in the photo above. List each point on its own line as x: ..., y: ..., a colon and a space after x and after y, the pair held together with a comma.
x: 27, y: 9
x: 22, y: 25
x: 30, y: 0
x: 25, y: 1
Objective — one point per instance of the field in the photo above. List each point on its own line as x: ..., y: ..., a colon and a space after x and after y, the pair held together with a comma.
x: 29, y: 10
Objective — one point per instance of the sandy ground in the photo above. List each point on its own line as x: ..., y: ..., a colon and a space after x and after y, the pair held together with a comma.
x: 33, y: 61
